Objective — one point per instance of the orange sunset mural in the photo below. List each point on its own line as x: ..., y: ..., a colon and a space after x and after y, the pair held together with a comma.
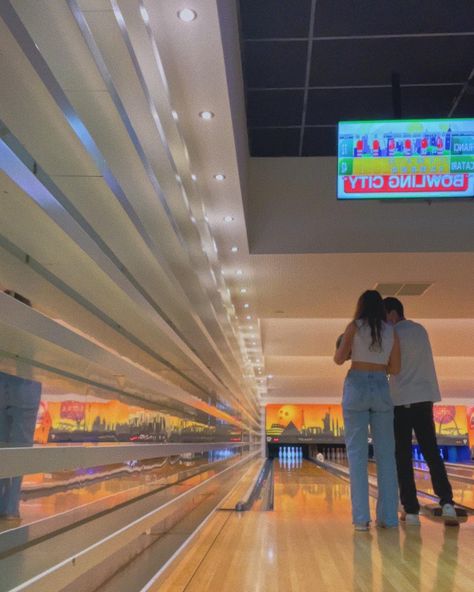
x: 80, y: 418
x: 325, y: 423
x: 304, y: 423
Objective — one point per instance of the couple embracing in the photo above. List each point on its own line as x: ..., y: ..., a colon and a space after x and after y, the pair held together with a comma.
x: 381, y: 342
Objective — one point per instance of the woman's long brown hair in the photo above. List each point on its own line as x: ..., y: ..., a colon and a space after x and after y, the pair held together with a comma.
x: 370, y: 308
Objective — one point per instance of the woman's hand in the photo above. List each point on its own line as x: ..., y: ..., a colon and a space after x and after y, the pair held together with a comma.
x: 344, y: 346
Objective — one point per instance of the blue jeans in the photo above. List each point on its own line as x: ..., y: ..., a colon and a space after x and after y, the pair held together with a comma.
x: 19, y: 402
x: 366, y: 401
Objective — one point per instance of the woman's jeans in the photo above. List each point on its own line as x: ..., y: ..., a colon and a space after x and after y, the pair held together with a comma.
x: 19, y: 402
x: 367, y: 402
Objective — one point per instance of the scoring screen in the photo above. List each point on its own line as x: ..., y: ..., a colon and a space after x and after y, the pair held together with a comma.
x: 406, y: 159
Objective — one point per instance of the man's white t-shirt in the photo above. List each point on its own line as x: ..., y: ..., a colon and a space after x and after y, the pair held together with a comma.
x: 416, y: 382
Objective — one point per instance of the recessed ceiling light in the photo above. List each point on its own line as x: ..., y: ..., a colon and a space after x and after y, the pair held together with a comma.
x: 219, y: 177
x: 178, y: 178
x: 175, y: 115
x: 228, y: 219
x: 234, y: 249
x: 250, y: 327
x: 246, y: 305
x: 144, y: 13
x: 270, y: 376
x: 248, y: 317
x: 193, y: 219
x: 187, y: 15
x: 239, y: 272
x: 243, y: 290
x: 206, y: 218
x: 193, y: 177
x: 206, y: 115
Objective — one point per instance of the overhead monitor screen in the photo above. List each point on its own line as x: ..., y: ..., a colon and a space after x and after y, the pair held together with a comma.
x: 406, y: 159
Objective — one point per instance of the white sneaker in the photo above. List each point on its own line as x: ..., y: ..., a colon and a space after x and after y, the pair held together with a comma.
x: 410, y: 519
x: 449, y: 515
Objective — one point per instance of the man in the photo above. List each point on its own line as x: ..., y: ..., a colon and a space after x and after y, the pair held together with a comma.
x: 414, y: 390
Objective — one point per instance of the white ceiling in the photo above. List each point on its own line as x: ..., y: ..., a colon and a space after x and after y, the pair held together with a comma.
x: 309, y: 257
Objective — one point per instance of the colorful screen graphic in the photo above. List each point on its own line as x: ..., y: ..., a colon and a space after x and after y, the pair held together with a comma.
x: 424, y: 159
x: 304, y: 423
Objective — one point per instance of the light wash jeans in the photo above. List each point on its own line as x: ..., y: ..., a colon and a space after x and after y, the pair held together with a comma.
x: 19, y: 402
x: 366, y: 401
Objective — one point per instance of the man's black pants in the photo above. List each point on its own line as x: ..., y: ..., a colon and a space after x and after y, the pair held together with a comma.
x: 418, y: 417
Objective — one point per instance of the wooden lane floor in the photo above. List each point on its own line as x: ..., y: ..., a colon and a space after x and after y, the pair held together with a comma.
x: 308, y: 544
x: 463, y: 491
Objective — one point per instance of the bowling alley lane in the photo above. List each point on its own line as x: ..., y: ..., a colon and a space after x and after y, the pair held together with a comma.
x: 307, y: 543
x: 463, y: 491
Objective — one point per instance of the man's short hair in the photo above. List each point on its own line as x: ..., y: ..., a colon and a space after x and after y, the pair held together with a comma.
x: 390, y: 303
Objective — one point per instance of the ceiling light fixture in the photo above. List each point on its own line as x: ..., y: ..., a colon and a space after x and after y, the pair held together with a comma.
x: 248, y: 317
x: 193, y: 177
x: 243, y: 290
x: 144, y: 13
x: 175, y: 115
x: 270, y: 376
x: 206, y: 115
x: 219, y: 177
x: 228, y: 219
x: 187, y: 15
x: 239, y: 272
x: 234, y: 249
x: 246, y: 305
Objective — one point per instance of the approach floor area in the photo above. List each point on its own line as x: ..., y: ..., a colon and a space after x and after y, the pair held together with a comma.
x: 308, y: 544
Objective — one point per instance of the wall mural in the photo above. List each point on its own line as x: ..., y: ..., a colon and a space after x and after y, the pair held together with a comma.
x: 470, y: 424
x: 80, y: 419
x: 304, y: 423
x: 320, y: 423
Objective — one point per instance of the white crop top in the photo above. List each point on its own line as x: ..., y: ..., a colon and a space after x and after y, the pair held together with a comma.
x: 361, y: 344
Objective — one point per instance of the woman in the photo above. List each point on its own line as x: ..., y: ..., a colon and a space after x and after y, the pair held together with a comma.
x: 374, y: 349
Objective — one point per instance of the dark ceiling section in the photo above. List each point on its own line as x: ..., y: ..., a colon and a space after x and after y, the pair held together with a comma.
x: 311, y: 63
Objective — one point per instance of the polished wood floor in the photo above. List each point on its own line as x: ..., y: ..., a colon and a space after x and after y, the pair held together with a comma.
x: 307, y: 544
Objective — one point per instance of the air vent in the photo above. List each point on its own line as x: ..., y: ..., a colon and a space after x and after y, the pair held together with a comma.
x: 414, y: 289
x: 404, y: 289
x: 388, y: 289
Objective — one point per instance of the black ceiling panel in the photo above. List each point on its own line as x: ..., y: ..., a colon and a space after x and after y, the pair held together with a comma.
x: 320, y: 141
x: 428, y: 101
x: 392, y: 17
x: 371, y: 61
x: 466, y: 104
x: 332, y: 105
x: 274, y: 108
x: 274, y: 142
x: 274, y: 19
x: 275, y: 64
x: 356, y: 46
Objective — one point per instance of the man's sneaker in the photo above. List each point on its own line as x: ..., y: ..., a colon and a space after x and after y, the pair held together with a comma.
x: 449, y: 515
x: 410, y: 519
x: 362, y: 527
